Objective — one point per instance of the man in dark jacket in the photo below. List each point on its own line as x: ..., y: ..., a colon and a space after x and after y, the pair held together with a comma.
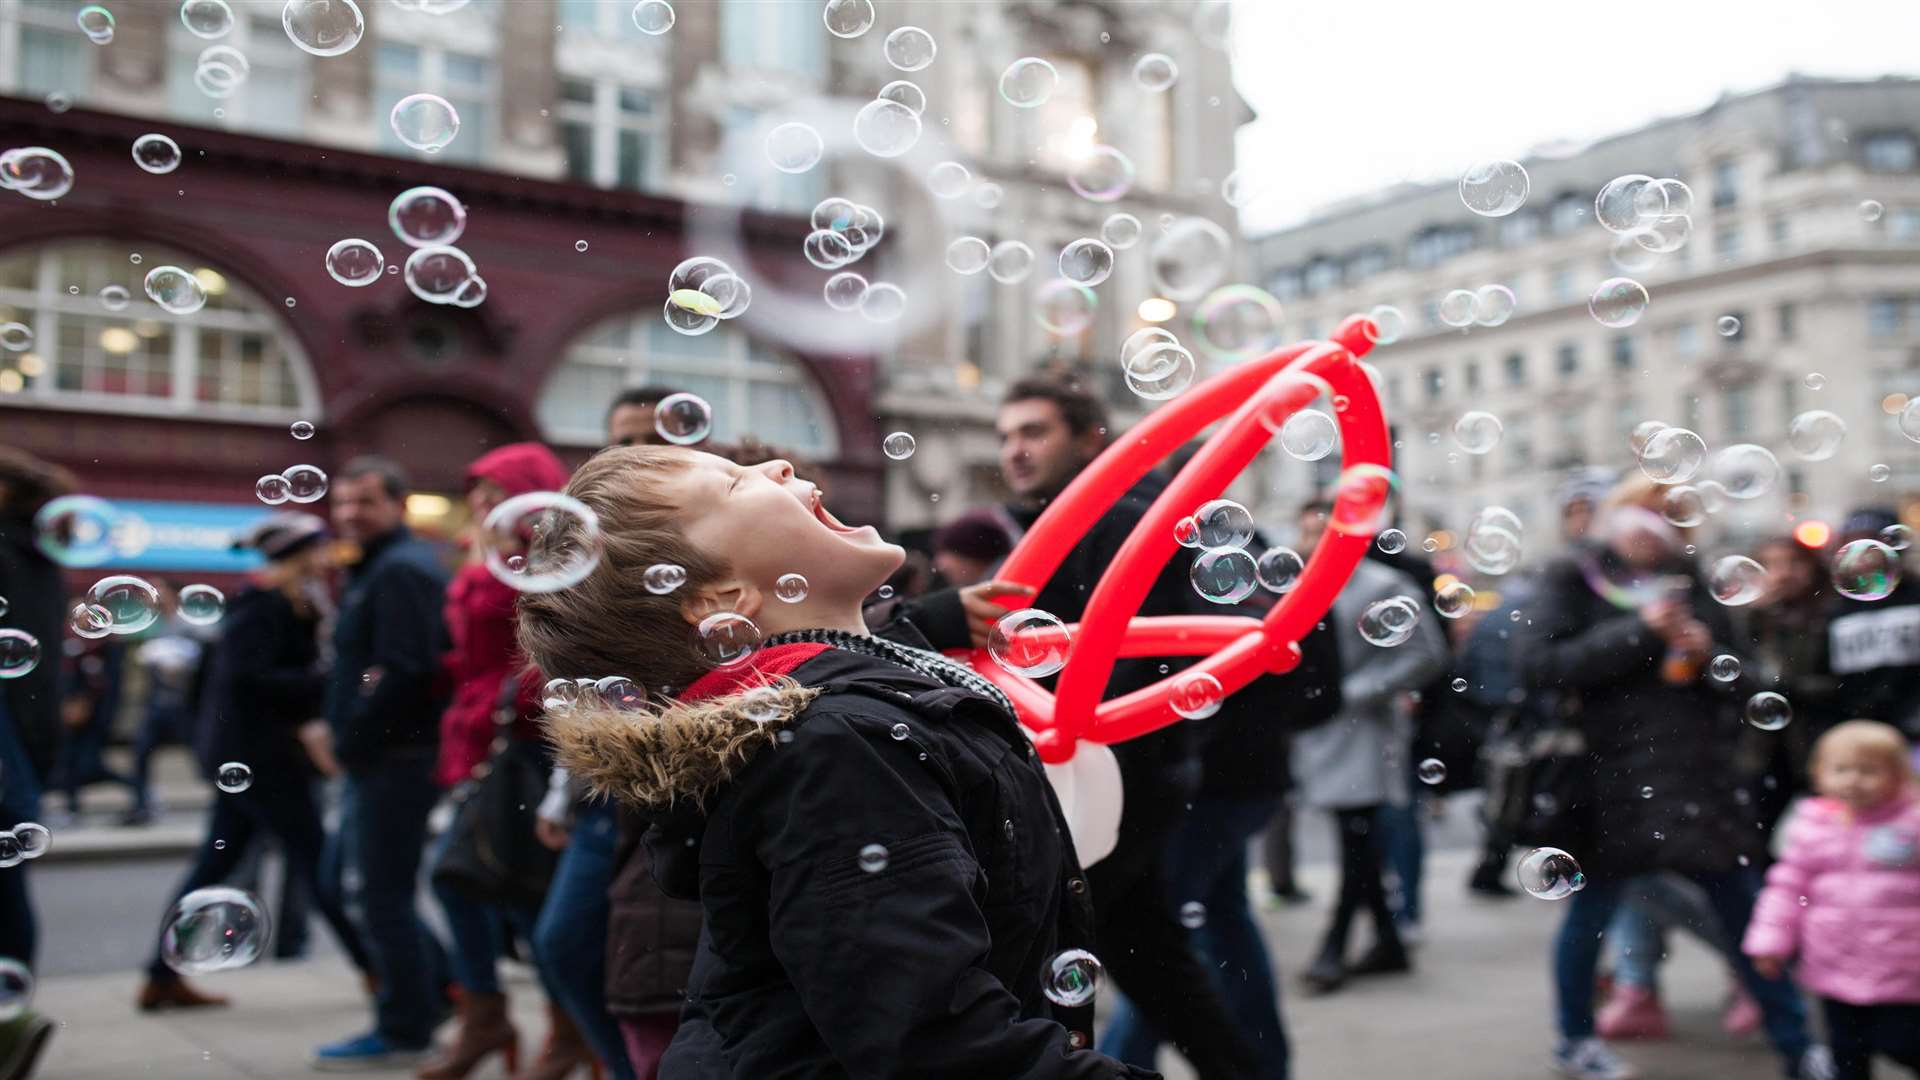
x: 1049, y: 431
x: 1873, y: 646
x: 383, y: 706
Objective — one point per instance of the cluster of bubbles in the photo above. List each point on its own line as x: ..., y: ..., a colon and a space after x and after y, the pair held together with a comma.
x: 615, y: 691
x: 27, y: 840
x: 213, y: 929
x: 1029, y: 642
x: 1654, y: 216
x: 1675, y: 456
x: 542, y: 541
x: 1224, y: 572
x: 36, y: 172
x: 1389, y: 622
x: 843, y: 231
x: 1489, y: 305
x: 298, y: 484
x: 702, y: 292
x: 221, y: 71
x: 1550, y: 874
x: 1155, y: 365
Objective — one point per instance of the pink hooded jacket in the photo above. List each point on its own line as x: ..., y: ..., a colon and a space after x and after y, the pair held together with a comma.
x: 1845, y: 898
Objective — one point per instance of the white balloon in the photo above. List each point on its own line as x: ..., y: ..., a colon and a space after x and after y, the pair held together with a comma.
x: 1088, y: 788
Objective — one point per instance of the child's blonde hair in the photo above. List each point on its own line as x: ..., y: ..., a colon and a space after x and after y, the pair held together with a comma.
x: 1870, y: 736
x: 611, y: 623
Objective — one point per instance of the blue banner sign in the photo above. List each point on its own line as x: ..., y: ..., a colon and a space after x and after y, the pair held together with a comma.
x: 134, y: 534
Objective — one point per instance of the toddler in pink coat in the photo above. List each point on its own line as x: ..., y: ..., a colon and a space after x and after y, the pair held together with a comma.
x: 1845, y: 898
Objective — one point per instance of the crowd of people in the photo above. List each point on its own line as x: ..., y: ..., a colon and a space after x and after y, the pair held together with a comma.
x: 837, y: 854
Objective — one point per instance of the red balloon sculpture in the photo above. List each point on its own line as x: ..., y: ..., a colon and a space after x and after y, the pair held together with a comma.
x: 1255, y: 399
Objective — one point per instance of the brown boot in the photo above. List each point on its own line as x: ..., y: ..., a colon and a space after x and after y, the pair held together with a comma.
x: 175, y: 993
x: 565, y: 1051
x: 484, y: 1029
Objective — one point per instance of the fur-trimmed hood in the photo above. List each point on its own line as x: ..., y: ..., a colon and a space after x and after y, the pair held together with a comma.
x: 656, y: 759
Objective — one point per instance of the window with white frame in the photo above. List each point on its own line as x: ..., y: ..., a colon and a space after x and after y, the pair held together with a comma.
x: 274, y: 98
x: 233, y: 359
x: 464, y: 79
x: 41, y: 49
x: 614, y: 134
x: 754, y: 388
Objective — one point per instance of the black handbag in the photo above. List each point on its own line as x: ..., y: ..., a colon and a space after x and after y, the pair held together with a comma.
x: 1539, y: 781
x: 492, y: 855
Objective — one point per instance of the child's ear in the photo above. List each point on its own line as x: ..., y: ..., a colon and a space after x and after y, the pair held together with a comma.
x: 732, y: 595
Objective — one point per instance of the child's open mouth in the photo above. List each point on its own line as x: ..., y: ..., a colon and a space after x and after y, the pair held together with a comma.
x: 827, y: 519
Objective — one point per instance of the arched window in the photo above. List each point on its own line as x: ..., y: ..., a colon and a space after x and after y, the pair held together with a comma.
x: 231, y: 360
x: 754, y: 388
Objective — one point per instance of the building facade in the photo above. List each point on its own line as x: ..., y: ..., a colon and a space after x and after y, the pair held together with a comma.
x: 1805, y: 234
x: 576, y: 127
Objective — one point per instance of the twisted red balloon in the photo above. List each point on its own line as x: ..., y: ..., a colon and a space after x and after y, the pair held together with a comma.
x: 1256, y: 398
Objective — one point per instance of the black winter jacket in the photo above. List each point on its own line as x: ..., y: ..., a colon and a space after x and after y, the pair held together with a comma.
x: 1664, y: 794
x: 389, y: 622
x: 36, y: 604
x: 263, y: 681
x: 924, y: 962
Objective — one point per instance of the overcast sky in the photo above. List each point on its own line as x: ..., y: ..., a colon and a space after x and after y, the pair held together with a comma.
x: 1356, y: 95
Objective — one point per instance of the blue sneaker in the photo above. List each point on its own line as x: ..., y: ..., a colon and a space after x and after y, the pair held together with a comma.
x: 365, y: 1053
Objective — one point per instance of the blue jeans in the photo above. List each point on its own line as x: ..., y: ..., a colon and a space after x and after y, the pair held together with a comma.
x: 19, y: 801
x: 1731, y: 895
x: 476, y: 929
x: 570, y: 938
x: 383, y: 831
x: 1207, y: 863
x: 1403, y: 852
x: 1637, y: 936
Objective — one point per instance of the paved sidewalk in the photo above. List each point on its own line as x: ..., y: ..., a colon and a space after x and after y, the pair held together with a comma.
x: 1477, y: 1008
x: 179, y: 795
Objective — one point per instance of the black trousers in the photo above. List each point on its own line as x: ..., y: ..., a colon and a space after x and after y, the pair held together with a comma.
x: 1360, y: 885
x: 283, y: 807
x: 1858, y: 1032
x: 1144, y: 947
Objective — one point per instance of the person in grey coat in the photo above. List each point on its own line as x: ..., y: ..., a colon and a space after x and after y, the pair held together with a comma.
x: 1357, y: 762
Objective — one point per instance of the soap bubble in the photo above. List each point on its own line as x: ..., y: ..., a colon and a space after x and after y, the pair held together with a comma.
x: 33, y: 838
x: 968, y: 255
x: 1664, y: 234
x: 1028, y: 82
x: 905, y: 93
x: 1186, y: 532
x: 355, y: 262
x: 1492, y: 544
x: 1550, y: 874
x: 202, y: 605
x: 156, y: 153
x: 36, y: 172
x: 1618, y: 302
x: 654, y: 17
x: 271, y: 489
x: 663, y: 578
x: 1727, y: 325
x: 1494, y: 188
x: 424, y: 121
x: 1618, y: 207
x: 213, y: 929
x: 1432, y: 771
x: 1815, y: 380
x: 542, y: 541
x: 1193, y: 914
x: 1769, y: 711
x: 1086, y: 262
x: 1493, y: 305
x: 1386, y: 324
x: 1071, y: 978
x: 794, y: 147
x: 1155, y: 71
x: 1477, y: 432
x: 1870, y: 210
x: 886, y: 128
x: 1737, y: 581
x: 1160, y: 370
x: 1029, y: 642
x: 1745, y: 470
x: 208, y: 19
x: 727, y: 638
x: 790, y: 588
x: 305, y: 483
x: 1389, y: 622
x: 1224, y: 575
x: 16, y: 989
x: 175, y: 290
x: 115, y: 297
x: 233, y: 777
x: 19, y: 653
x: 1816, y: 434
x: 16, y: 337
x: 1238, y: 322
x: 1454, y: 600
x: 683, y: 419
x: 1866, y: 570
x: 58, y: 101
x: 1391, y: 542
x: 1724, y: 668
x: 987, y: 195
x: 97, y: 23
x: 426, y: 217
x: 1663, y: 197
x: 1196, y: 695
x: 1190, y: 258
x: 1683, y: 506
x: 1628, y: 256
x: 1879, y: 473
x: 898, y: 446
x: 1898, y: 537
x: 1102, y: 174
x: 90, y: 622
x: 76, y: 530
x: 1910, y: 419
x: 1010, y: 262
x: 1279, y: 569
x: 1456, y: 308
x: 909, y: 48
x: 221, y: 71
x: 845, y: 290
x: 873, y: 858
x: 1064, y: 307
x: 323, y: 27
x: 131, y: 602
x: 1120, y: 231
x: 826, y: 249
x: 848, y: 18
x: 884, y: 302
x: 948, y: 180
x: 1309, y: 435
x: 1672, y: 455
